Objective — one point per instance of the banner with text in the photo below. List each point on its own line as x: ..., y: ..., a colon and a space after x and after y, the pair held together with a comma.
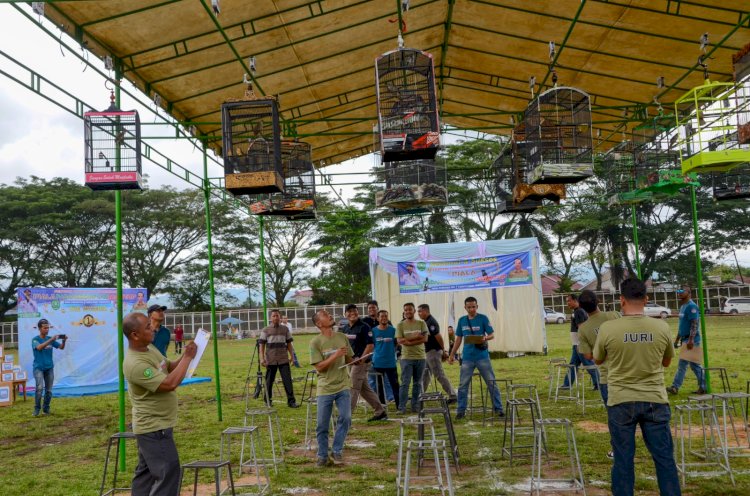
x: 494, y: 271
x: 88, y: 317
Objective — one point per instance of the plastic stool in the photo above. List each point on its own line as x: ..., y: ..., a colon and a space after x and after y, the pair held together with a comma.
x: 217, y: 467
x: 114, y: 439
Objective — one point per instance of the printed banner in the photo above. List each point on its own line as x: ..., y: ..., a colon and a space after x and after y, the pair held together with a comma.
x: 88, y: 316
x: 459, y: 275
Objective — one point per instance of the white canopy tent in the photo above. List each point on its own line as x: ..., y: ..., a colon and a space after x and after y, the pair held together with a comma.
x: 515, y: 312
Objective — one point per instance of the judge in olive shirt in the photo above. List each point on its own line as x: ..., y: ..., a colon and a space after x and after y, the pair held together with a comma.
x: 152, y: 380
x: 412, y: 335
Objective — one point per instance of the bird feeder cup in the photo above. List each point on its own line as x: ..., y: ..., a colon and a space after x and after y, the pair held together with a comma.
x: 112, y: 142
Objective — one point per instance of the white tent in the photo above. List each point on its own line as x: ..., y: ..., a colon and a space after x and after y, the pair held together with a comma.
x: 515, y: 312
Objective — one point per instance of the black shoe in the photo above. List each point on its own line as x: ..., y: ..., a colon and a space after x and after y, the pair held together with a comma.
x: 699, y: 391
x: 452, y: 400
x: 382, y: 416
x: 672, y: 390
x: 500, y: 414
x: 460, y: 415
x: 293, y: 404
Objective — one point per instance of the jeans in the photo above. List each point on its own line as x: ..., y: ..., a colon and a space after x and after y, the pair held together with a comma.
x: 388, y: 388
x: 411, y: 371
x: 286, y: 379
x: 435, y: 367
x: 654, y: 421
x: 46, y: 378
x: 577, y: 359
x: 484, y: 367
x: 604, y: 391
x: 158, y: 470
x: 325, y: 410
x: 679, y: 377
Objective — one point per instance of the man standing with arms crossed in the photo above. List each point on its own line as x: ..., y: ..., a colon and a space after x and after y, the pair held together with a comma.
x: 636, y: 350
x: 689, y: 341
x: 435, y: 352
x: 329, y: 354
x: 360, y: 339
x: 411, y: 334
x: 152, y: 380
x: 44, y: 368
x: 275, y: 354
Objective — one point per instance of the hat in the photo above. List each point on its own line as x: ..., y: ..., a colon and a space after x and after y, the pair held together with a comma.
x: 154, y: 308
x: 41, y: 323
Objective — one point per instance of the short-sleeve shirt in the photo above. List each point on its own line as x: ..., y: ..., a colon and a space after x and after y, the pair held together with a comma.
x: 579, y: 317
x: 384, y: 356
x: 359, y: 336
x: 43, y: 359
x: 479, y: 325
x: 153, y: 410
x: 688, y: 313
x: 178, y: 333
x: 434, y: 329
x: 275, y: 339
x: 408, y: 330
x: 161, y: 339
x: 633, y: 348
x: 587, y: 333
x: 336, y: 377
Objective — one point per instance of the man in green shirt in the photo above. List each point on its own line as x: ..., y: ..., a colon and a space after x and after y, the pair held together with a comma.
x: 152, y: 380
x: 589, y: 330
x: 329, y: 353
x: 636, y: 349
x: 411, y: 334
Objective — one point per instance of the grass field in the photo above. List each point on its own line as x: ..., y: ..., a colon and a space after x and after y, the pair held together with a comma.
x: 63, y: 454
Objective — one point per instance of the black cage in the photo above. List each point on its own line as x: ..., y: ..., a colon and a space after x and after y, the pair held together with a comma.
x: 251, y: 141
x: 112, y: 142
x: 559, y: 146
x: 413, y: 183
x: 407, y: 105
x: 522, y: 189
x: 506, y: 178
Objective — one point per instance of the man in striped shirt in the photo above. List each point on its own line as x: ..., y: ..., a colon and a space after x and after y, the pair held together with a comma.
x: 275, y: 354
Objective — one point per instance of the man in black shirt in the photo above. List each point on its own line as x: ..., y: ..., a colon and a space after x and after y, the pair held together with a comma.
x: 360, y: 339
x: 372, y: 314
x: 436, y: 353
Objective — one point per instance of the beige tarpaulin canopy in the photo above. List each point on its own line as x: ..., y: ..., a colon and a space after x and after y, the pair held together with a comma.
x: 318, y: 56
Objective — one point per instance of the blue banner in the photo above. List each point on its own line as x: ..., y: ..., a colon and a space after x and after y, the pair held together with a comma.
x: 88, y: 316
x: 458, y: 275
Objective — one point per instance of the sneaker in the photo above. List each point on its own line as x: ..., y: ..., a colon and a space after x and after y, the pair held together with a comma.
x: 45, y: 413
x: 324, y: 462
x: 452, y: 400
x: 338, y: 458
x: 699, y: 391
x: 500, y: 414
x: 382, y: 416
x: 402, y: 412
x: 672, y: 390
x: 564, y: 387
x: 35, y: 414
x: 610, y: 454
x: 460, y: 415
x: 293, y: 404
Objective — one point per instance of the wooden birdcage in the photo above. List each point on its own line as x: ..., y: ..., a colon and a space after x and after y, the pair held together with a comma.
x: 559, y: 145
x: 411, y: 184
x: 522, y: 190
x: 297, y: 202
x: 251, y: 141
x: 112, y: 142
x: 408, y: 122
x: 505, y: 180
x: 732, y: 185
x: 707, y: 118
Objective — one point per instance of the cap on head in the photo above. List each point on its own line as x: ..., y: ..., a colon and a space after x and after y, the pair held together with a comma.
x: 42, y: 322
x: 154, y: 308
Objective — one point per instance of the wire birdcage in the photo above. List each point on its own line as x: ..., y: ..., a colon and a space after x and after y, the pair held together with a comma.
x: 618, y: 166
x: 297, y: 202
x: 741, y: 64
x: 522, y: 190
x: 506, y: 177
x: 413, y: 183
x: 732, y: 185
x: 251, y: 140
x: 112, y: 143
x: 408, y: 122
x: 559, y: 145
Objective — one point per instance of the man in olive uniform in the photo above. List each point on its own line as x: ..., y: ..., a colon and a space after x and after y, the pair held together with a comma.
x: 636, y: 350
x: 589, y: 330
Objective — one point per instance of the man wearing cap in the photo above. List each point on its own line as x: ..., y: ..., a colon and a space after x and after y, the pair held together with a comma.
x: 152, y: 381
x: 44, y: 374
x: 162, y: 335
x: 689, y: 342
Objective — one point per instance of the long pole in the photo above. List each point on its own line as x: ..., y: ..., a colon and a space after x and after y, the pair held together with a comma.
x: 263, y: 274
x: 118, y: 263
x: 212, y: 293
x: 635, y: 240
x: 699, y: 275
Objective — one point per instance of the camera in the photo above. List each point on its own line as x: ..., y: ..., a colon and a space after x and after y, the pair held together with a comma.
x: 62, y: 336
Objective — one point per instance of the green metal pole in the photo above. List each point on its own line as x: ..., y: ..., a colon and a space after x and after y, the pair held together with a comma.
x: 207, y: 196
x: 263, y: 274
x: 635, y: 241
x: 699, y: 274
x: 118, y: 262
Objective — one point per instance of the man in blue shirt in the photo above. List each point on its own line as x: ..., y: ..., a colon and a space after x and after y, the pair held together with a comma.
x: 162, y: 336
x: 475, y: 328
x: 689, y: 341
x: 384, y: 356
x: 44, y: 374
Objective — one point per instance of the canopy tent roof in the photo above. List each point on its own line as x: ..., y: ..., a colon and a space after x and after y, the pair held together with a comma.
x: 318, y: 56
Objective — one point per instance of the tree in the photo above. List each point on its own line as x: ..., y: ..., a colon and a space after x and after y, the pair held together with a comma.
x: 286, y: 244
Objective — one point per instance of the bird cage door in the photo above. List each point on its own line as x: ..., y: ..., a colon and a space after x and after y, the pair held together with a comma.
x: 251, y: 140
x: 112, y: 142
x: 558, y: 133
x: 408, y: 124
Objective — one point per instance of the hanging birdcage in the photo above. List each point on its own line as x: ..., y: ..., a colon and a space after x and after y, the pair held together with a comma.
x: 297, y: 202
x: 522, y: 190
x: 707, y: 119
x: 505, y: 180
x: 619, y: 169
x: 112, y: 142
x: 408, y: 122
x: 413, y: 183
x: 251, y: 141
x: 732, y: 185
x: 741, y: 64
x: 559, y: 146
